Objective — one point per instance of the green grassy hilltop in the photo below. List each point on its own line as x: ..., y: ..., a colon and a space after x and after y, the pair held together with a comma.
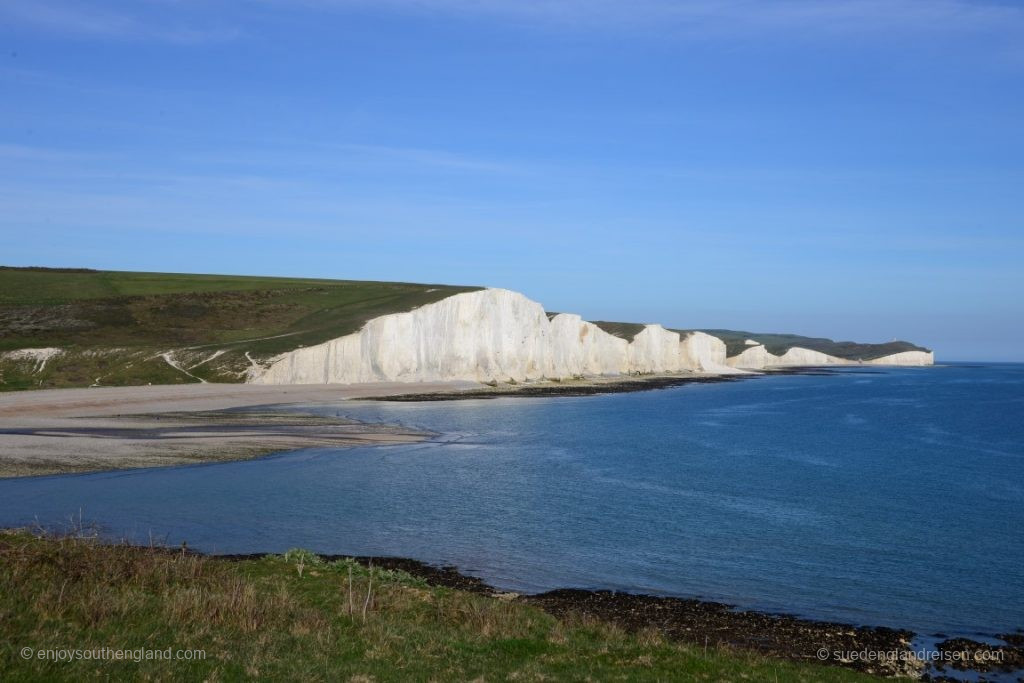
x: 114, y: 326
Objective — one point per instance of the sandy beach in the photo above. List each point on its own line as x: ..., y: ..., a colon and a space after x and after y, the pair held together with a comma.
x: 60, y: 431
x: 83, y: 430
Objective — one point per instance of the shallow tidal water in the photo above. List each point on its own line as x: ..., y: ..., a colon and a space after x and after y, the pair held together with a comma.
x: 874, y: 496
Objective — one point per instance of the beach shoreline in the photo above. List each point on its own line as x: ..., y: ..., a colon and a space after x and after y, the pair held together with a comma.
x: 74, y: 431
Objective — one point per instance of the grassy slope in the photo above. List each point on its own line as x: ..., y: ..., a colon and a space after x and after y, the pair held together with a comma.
x: 269, y: 619
x: 143, y: 314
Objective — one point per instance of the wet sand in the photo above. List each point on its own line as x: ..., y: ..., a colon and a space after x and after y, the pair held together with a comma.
x: 85, y: 430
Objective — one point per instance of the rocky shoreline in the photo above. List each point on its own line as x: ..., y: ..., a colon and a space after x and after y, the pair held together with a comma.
x: 891, y: 652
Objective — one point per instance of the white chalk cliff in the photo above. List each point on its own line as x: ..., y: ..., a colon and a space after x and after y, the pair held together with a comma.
x: 702, y: 352
x: 919, y: 358
x: 495, y: 335
x: 759, y: 358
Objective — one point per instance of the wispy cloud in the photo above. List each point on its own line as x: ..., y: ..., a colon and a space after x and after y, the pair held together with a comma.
x: 430, y: 157
x: 18, y: 153
x: 302, y: 154
x: 719, y: 15
x: 183, y: 22
x: 144, y: 21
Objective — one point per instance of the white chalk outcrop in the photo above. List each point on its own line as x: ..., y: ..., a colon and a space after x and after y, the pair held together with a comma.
x: 797, y: 355
x: 704, y: 353
x: 905, y: 358
x: 486, y: 336
x: 495, y: 335
x: 655, y: 349
x: 759, y: 358
x: 482, y: 336
x: 581, y: 349
x: 38, y: 357
x: 753, y: 358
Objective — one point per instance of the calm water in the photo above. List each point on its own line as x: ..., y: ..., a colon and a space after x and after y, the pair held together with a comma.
x: 890, y: 497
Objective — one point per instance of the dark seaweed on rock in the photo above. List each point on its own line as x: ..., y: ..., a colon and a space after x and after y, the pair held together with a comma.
x: 592, y: 387
x: 975, y: 656
x: 717, y: 624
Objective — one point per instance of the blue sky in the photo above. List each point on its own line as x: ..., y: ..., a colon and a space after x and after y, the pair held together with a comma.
x: 845, y: 168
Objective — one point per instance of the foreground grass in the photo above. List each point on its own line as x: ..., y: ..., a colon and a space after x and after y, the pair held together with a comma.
x: 297, y: 617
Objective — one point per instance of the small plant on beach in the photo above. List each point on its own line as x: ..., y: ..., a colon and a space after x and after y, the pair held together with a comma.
x: 301, y: 559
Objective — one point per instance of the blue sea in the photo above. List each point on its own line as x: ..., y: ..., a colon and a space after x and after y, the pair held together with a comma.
x: 880, y: 496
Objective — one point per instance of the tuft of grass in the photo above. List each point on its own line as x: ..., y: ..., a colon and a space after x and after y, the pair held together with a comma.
x: 268, y: 619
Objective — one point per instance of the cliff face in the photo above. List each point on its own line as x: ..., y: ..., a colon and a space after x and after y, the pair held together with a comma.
x: 579, y: 348
x: 705, y: 353
x: 753, y: 358
x: 655, y: 349
x: 498, y: 335
x: 490, y: 335
x: 478, y: 336
x: 905, y: 358
x: 758, y: 358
